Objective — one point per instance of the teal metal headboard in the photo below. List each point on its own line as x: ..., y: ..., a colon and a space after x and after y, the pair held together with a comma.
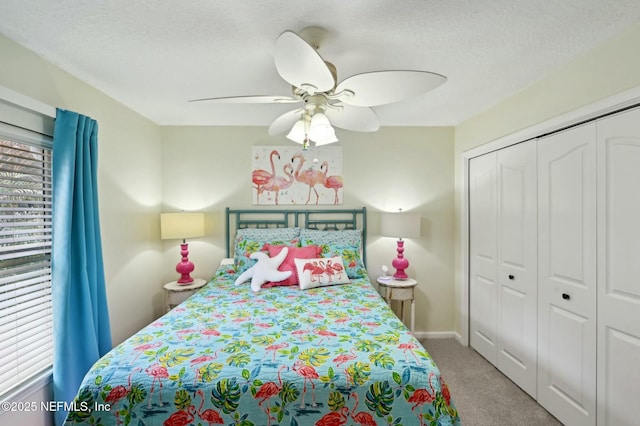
x: 327, y: 220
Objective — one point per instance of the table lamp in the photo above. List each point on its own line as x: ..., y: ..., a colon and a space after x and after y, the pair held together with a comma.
x: 180, y: 226
x: 400, y: 225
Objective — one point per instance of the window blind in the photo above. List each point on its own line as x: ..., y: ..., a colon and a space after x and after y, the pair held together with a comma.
x: 26, y: 343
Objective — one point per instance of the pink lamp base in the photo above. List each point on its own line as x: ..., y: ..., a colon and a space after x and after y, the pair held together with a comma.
x: 400, y: 263
x: 185, y: 267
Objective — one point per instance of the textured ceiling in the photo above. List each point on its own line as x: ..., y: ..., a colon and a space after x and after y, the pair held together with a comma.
x: 153, y: 56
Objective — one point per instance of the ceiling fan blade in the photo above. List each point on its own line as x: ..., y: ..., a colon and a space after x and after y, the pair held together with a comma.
x: 358, y: 119
x: 385, y: 87
x: 257, y: 99
x: 300, y: 64
x: 285, y: 122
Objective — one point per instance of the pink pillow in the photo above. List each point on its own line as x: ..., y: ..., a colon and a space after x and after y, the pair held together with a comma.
x: 307, y: 252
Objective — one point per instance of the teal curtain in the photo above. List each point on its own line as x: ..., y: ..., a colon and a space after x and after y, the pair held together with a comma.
x: 81, y: 331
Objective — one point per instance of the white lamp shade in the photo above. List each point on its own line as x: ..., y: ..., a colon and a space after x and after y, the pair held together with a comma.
x: 297, y: 132
x: 178, y: 226
x: 320, y: 128
x: 400, y: 225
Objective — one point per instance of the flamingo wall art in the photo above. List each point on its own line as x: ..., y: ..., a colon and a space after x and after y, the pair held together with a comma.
x: 287, y: 175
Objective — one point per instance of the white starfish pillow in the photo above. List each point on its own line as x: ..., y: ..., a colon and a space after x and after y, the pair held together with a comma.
x: 265, y: 270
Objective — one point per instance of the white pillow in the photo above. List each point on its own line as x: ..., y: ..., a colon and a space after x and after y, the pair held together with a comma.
x: 321, y: 272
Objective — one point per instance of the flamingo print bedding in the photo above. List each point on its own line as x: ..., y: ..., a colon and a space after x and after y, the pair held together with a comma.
x: 333, y: 355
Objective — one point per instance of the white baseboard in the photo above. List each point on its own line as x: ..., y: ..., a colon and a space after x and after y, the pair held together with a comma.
x: 438, y: 335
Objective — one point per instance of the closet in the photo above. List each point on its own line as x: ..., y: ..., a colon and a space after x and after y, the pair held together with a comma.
x: 554, y: 264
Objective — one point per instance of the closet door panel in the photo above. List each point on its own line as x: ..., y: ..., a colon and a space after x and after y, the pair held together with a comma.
x: 517, y: 268
x: 567, y: 274
x: 619, y: 269
x: 619, y: 385
x: 568, y: 339
x: 483, y: 256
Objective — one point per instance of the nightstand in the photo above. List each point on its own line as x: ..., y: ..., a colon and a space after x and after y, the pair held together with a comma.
x: 176, y: 294
x: 402, y: 291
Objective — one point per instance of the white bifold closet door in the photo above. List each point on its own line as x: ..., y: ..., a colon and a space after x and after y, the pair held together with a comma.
x: 567, y: 275
x: 503, y: 261
x: 619, y: 269
x: 483, y: 256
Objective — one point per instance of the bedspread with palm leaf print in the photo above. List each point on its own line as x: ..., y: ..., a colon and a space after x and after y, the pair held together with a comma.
x: 283, y: 356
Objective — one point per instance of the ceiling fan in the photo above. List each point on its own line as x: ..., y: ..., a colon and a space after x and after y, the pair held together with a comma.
x: 324, y: 101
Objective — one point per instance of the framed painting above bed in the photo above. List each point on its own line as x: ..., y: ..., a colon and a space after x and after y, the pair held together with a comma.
x: 287, y: 175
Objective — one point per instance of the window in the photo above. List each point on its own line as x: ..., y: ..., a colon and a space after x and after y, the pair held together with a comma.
x: 26, y: 343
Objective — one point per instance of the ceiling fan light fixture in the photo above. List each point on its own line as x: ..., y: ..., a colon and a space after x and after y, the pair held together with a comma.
x: 298, y: 131
x: 320, y: 127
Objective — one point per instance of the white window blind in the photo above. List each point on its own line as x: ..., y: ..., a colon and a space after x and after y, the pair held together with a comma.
x: 25, y: 259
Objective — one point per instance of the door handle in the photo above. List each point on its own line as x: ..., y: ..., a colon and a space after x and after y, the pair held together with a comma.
x: 565, y: 296
x: 511, y: 277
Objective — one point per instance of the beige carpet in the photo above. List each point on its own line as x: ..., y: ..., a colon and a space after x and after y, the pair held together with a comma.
x: 483, y: 395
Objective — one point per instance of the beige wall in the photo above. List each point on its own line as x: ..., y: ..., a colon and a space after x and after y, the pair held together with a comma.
x: 209, y: 168
x: 611, y: 68
x: 129, y: 181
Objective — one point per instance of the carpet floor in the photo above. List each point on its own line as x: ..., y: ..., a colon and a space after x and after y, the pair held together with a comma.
x: 483, y: 395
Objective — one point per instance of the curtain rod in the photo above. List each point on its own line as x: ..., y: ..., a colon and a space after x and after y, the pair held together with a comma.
x: 26, y: 102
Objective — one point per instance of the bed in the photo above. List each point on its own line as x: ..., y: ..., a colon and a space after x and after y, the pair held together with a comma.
x: 328, y: 354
